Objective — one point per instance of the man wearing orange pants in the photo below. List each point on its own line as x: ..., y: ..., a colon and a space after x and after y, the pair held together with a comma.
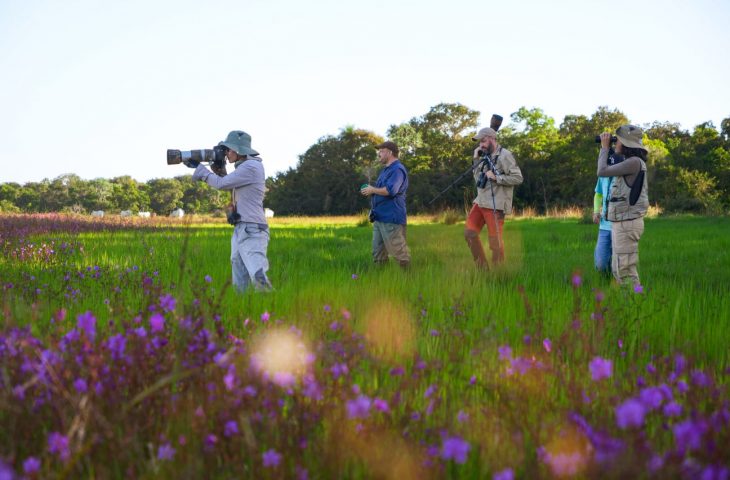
x: 495, y: 187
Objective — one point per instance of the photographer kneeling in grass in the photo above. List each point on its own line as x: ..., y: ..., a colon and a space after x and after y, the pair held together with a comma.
x: 388, y: 212
x: 246, y: 213
x: 629, y: 200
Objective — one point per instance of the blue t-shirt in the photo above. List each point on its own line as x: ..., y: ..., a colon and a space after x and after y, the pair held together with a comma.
x: 603, y: 186
x: 391, y: 208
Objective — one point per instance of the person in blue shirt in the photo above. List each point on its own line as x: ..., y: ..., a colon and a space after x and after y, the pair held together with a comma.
x: 602, y: 252
x: 388, y: 213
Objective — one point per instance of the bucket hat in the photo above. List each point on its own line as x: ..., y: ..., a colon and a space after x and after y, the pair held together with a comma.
x: 631, y: 136
x: 240, y: 142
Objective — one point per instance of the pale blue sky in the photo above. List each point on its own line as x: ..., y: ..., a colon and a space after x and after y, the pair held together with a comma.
x: 102, y: 89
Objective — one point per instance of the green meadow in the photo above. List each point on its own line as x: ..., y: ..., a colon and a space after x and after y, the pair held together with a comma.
x: 325, y: 265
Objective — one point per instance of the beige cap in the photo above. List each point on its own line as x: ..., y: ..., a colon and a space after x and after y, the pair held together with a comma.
x: 631, y: 136
x: 485, y: 132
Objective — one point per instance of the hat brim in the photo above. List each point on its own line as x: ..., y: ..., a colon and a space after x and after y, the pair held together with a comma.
x: 239, y: 149
x: 630, y: 143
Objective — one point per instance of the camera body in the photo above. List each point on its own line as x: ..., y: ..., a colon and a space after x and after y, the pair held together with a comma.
x: 232, y: 216
x: 216, y: 156
x: 613, y: 139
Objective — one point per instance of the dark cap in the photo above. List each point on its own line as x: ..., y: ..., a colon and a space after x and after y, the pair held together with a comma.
x: 390, y: 146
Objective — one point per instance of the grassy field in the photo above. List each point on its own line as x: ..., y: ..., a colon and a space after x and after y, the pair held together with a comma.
x: 442, y: 314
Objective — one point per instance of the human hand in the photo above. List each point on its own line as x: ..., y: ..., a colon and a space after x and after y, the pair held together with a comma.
x: 477, y: 153
x: 596, y: 218
x: 366, y: 190
x: 491, y: 175
x: 605, y: 140
x: 191, y: 163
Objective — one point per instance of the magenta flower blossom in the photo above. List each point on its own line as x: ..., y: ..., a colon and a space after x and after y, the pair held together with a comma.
x: 58, y: 444
x: 157, y: 322
x: 359, y: 407
x: 473, y: 380
x: 208, y: 279
x: 506, y: 474
x: 271, y: 458
x: 165, y: 452
x: 334, y: 326
x: 547, y: 345
x: 229, y: 379
x: 576, y: 280
x: 638, y: 288
x: 265, y: 317
x: 600, y: 368
x: 354, y: 276
x: 31, y: 465
x: 630, y: 414
x: 462, y: 416
x: 455, y: 448
x: 429, y: 391
x: 86, y: 322
x: 381, y: 405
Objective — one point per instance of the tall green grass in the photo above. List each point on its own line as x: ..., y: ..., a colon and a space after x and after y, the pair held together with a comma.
x: 684, y: 267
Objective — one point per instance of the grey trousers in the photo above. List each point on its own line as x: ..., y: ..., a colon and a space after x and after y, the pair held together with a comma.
x: 390, y: 239
x: 248, y: 257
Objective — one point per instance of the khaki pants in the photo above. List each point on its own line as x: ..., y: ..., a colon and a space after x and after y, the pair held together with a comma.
x: 625, y: 241
x: 390, y: 238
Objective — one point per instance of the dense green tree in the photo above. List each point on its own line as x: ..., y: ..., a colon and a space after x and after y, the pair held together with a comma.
x: 328, y: 176
x: 165, y: 195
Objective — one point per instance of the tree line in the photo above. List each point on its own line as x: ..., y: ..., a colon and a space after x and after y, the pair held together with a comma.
x: 687, y: 171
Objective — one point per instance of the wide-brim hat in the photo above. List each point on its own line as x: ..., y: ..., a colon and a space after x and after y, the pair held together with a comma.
x: 240, y: 142
x: 631, y: 136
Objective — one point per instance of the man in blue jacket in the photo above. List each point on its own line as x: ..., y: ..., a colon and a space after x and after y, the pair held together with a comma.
x: 388, y: 214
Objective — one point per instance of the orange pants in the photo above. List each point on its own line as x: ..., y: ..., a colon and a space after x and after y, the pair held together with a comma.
x: 475, y: 221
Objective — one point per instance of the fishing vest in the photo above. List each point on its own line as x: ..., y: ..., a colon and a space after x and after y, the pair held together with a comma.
x: 627, y: 201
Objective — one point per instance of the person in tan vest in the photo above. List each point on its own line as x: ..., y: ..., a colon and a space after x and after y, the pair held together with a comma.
x: 628, y: 202
x: 494, y: 196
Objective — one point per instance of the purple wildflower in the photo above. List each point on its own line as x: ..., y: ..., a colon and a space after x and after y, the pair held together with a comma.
x: 672, y: 409
x: 334, y: 325
x: 157, y: 322
x: 638, y: 288
x: 116, y: 345
x: 396, y: 371
x: 58, y: 444
x: 338, y: 370
x: 381, y: 405
x: 688, y: 434
x: 86, y: 322
x: 80, y: 385
x: 165, y: 452
x: 229, y: 379
x: 140, y: 332
x: 576, y: 280
x: 630, y: 414
x: 359, y: 407
x: 455, y: 448
x: 600, y: 368
x: 271, y: 458
x: 700, y: 378
x: 506, y: 474
x: 231, y: 428
x: 462, y: 416
x: 547, y: 345
x: 473, y: 380
x: 31, y: 465
x: 429, y: 391
x: 505, y: 352
x: 167, y: 302
x: 354, y: 276
x: 208, y: 279
x: 434, y: 333
x: 265, y: 317
x: 651, y: 397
